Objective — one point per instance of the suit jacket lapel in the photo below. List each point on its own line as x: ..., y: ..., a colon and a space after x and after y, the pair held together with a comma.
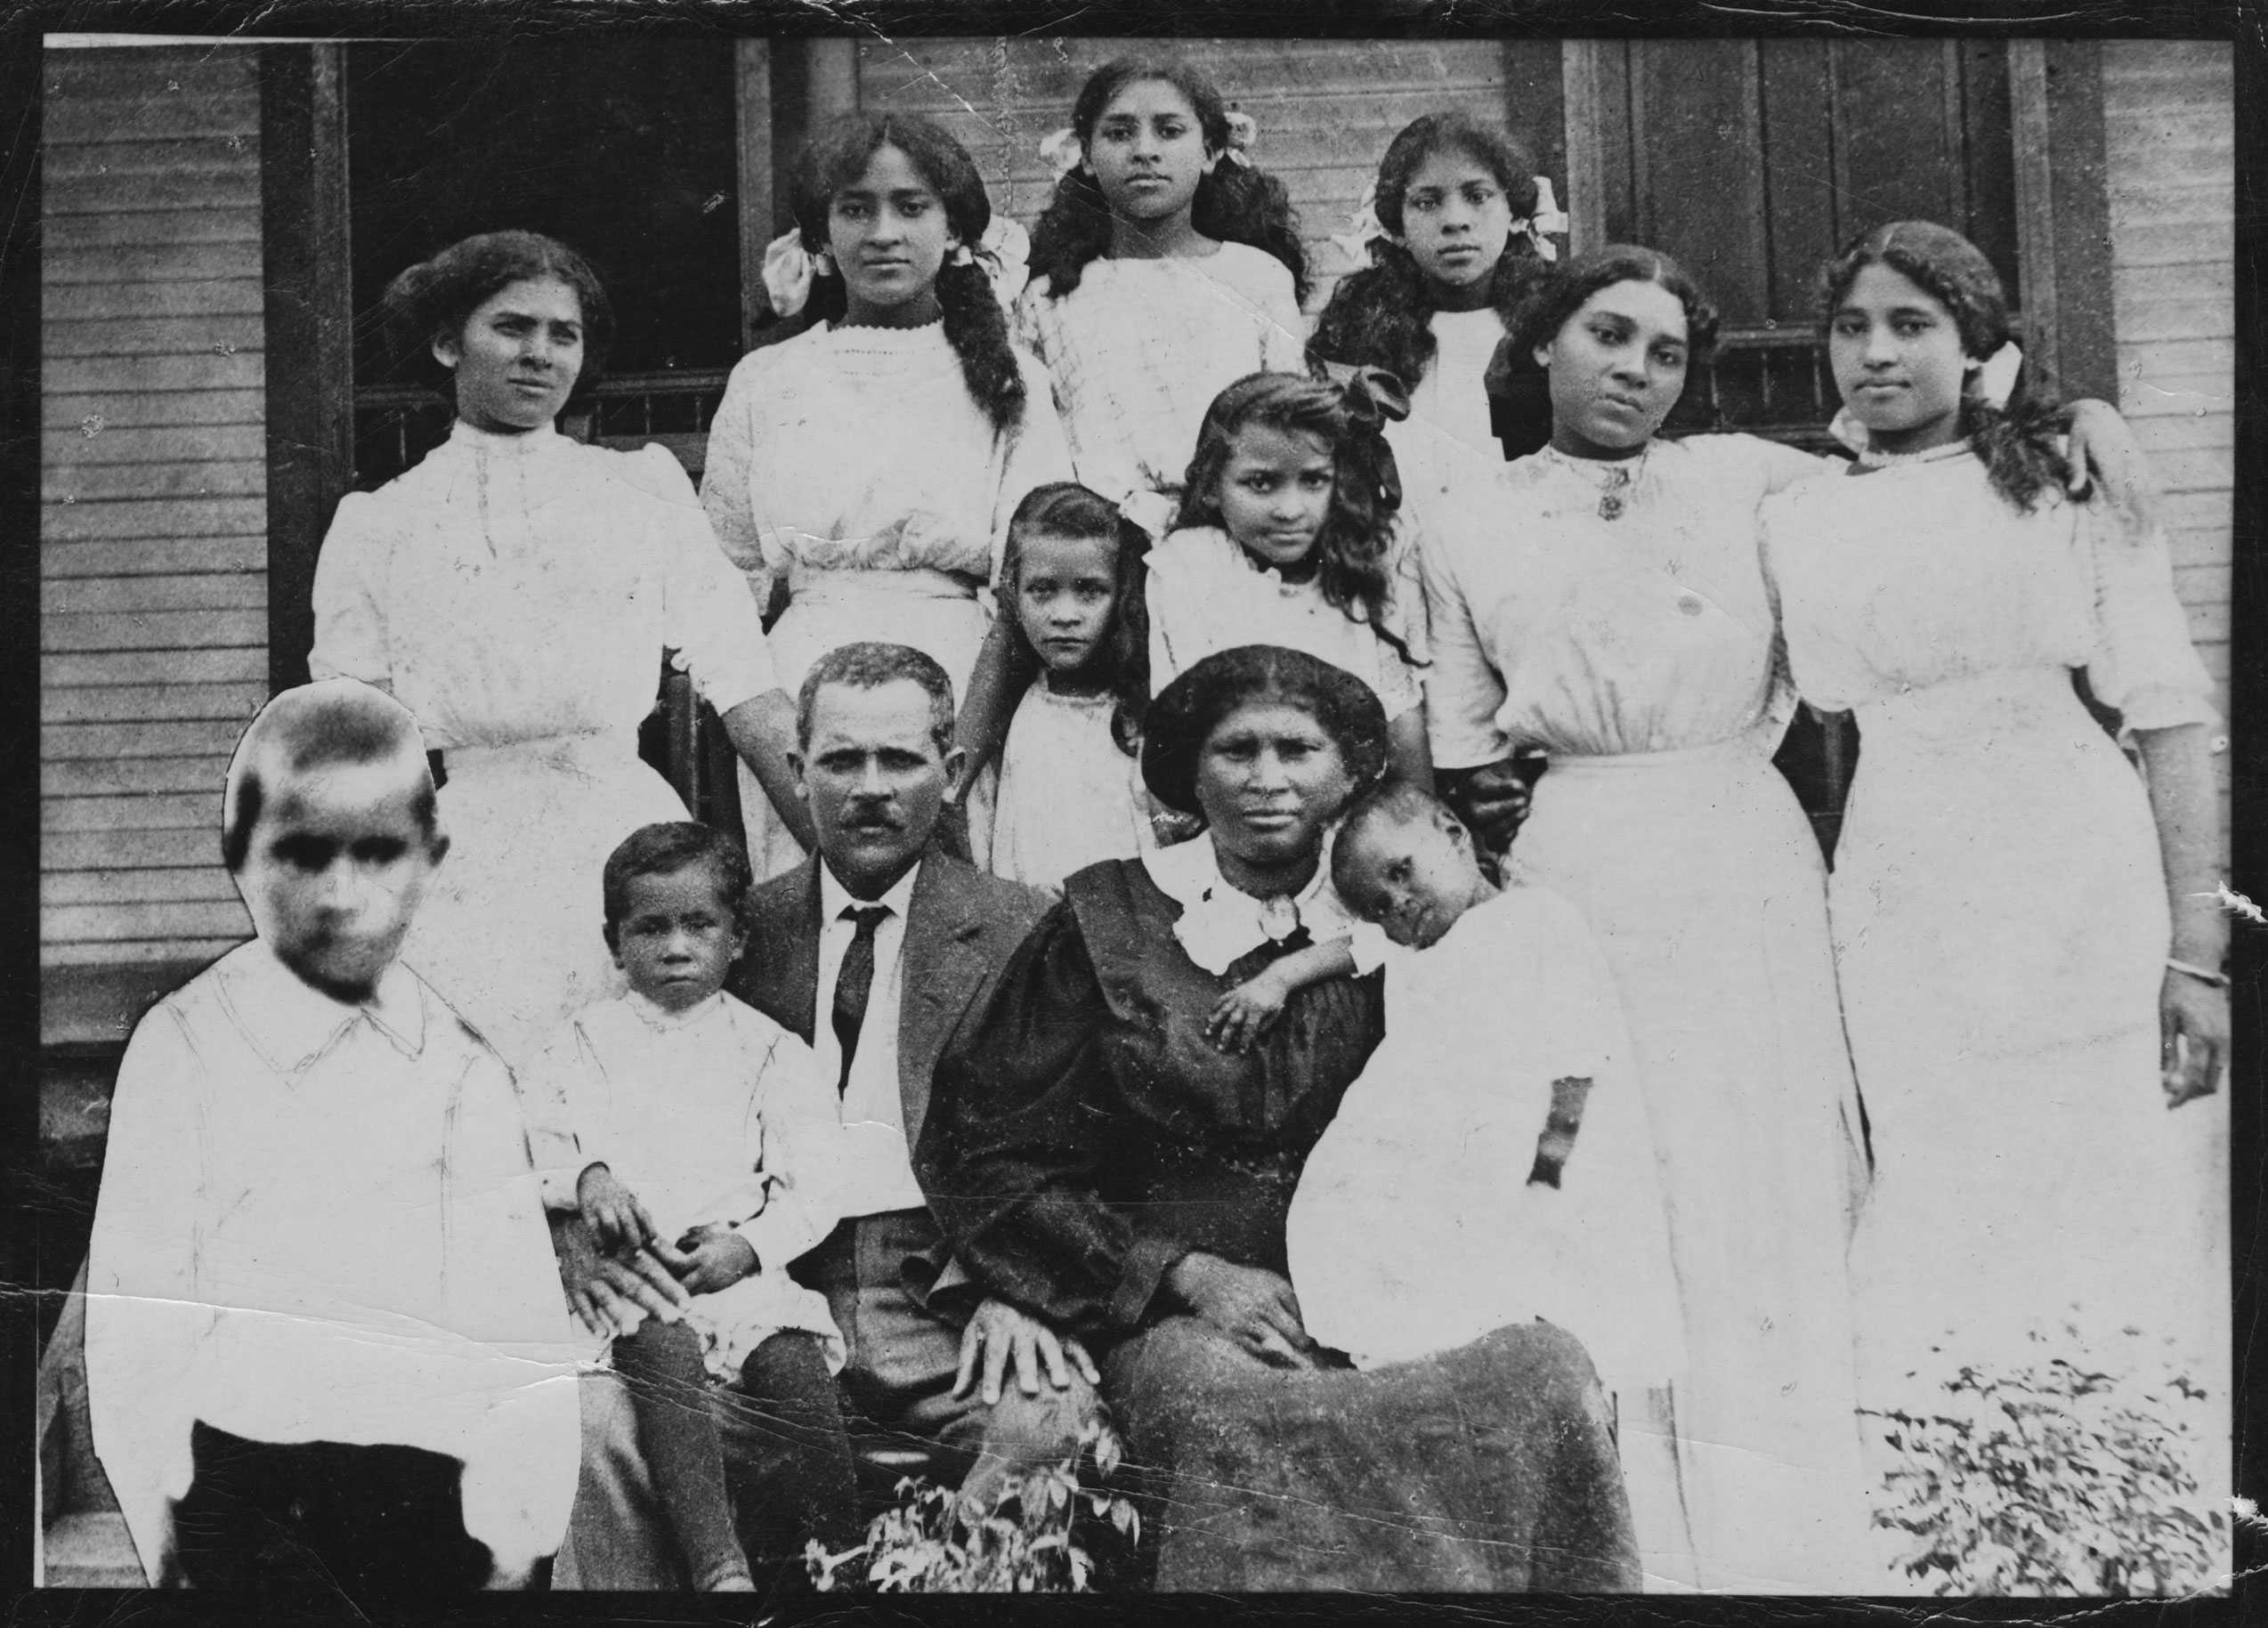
x: 940, y: 971
x: 783, y: 955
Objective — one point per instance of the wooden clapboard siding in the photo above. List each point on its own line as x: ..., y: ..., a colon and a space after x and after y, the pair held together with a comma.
x: 153, y: 485
x: 2169, y: 138
x: 1325, y: 108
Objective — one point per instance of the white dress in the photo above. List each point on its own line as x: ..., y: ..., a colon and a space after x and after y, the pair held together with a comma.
x: 713, y: 1116
x: 1206, y: 595
x: 2000, y: 925
x: 1139, y: 349
x: 1639, y: 652
x: 1448, y: 437
x: 1451, y: 1105
x: 516, y: 593
x: 853, y: 464
x: 1068, y: 797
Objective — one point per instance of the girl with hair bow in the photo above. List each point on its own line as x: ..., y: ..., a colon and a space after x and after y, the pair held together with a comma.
x: 1292, y: 532
x: 868, y: 455
x: 1166, y: 266
x: 1451, y: 236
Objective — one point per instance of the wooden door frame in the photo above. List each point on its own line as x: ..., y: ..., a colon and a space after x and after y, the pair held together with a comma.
x: 307, y: 265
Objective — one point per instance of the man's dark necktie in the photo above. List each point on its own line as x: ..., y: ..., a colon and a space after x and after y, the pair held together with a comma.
x: 854, y: 982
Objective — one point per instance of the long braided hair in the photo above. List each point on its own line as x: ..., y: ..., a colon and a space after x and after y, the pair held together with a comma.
x: 975, y: 325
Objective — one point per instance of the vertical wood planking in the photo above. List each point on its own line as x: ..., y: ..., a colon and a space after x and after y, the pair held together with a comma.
x: 1698, y: 168
x: 753, y: 113
x: 309, y: 333
x: 2035, y: 241
x: 1799, y: 143
x: 2085, y: 338
x: 1583, y: 93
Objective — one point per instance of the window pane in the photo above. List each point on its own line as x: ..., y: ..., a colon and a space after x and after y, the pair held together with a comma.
x: 622, y: 150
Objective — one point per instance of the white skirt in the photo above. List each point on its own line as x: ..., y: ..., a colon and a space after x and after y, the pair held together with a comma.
x: 510, y: 932
x: 934, y: 611
x: 1704, y: 885
x: 2001, y: 916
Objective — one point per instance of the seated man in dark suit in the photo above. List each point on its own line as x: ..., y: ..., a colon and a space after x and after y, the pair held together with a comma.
x: 876, y: 951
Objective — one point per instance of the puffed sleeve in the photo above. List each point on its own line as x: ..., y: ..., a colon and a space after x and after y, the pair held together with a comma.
x: 145, y: 1315
x: 1176, y: 636
x: 1027, y: 319
x: 2143, y: 663
x: 1402, y: 684
x: 724, y: 478
x: 1037, y: 453
x: 350, y: 620
x: 1464, y: 690
x: 1283, y: 341
x: 1781, y: 465
x: 1559, y: 959
x: 712, y: 619
x: 800, y: 1124
x: 1016, y: 1151
x: 550, y: 1089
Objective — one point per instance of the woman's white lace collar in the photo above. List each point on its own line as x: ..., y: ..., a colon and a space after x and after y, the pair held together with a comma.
x: 1219, y: 922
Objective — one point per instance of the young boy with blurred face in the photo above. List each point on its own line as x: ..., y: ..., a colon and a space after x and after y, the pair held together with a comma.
x: 321, y: 1297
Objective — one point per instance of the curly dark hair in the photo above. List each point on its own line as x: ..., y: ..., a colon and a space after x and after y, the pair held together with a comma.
x: 665, y: 848
x: 1187, y: 712
x: 1236, y: 203
x: 2018, y: 444
x: 1350, y: 551
x: 1562, y: 289
x: 1379, y: 316
x: 975, y: 325
x: 432, y: 299
x: 1065, y: 509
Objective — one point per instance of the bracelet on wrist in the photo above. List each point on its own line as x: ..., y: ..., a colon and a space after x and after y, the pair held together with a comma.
x: 2218, y: 980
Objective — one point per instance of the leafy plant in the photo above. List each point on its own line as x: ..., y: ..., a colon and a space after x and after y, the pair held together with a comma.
x: 1027, y: 1543
x: 2054, y: 1478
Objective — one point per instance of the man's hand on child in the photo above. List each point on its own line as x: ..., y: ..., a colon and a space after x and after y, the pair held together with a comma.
x: 1245, y: 1013
x: 708, y: 1258
x: 612, y: 1294
x: 613, y: 1211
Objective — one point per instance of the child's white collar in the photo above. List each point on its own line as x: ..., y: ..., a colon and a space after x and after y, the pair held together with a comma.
x: 661, y: 1017
x: 293, y: 1023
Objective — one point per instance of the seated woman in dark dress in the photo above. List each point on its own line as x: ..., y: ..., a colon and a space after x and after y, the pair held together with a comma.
x: 1096, y: 1160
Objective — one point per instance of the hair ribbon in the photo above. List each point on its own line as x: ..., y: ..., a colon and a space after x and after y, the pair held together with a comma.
x: 1373, y: 398
x: 1005, y: 254
x: 1993, y: 383
x: 1061, y: 152
x: 1363, y: 226
x: 1242, y: 132
x: 788, y: 269
x: 1547, y: 217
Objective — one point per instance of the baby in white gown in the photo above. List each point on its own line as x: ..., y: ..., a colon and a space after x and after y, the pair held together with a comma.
x: 1493, y: 1163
